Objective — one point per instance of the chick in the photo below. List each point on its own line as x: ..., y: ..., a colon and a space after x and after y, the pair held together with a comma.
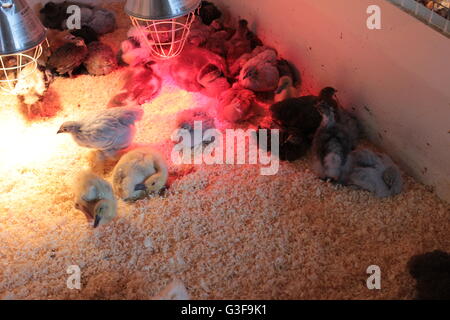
x: 260, y: 73
x: 102, y: 21
x: 236, y: 104
x: 286, y: 89
x: 68, y: 57
x: 199, y: 33
x: 108, y: 131
x: 432, y: 273
x: 236, y: 67
x: 94, y: 197
x: 293, y: 144
x: 142, y: 85
x: 139, y: 173
x: 101, y: 59
x: 300, y: 113
x: 239, y: 44
x: 86, y: 33
x: 213, y: 80
x: 187, y: 120
x: 135, y: 50
x: 331, y: 147
x: 375, y: 173
x: 31, y: 86
x: 54, y: 15
x: 191, y: 66
x: 209, y: 12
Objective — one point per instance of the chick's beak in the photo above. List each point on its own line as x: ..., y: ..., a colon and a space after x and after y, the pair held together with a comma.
x: 97, y: 221
x: 60, y: 131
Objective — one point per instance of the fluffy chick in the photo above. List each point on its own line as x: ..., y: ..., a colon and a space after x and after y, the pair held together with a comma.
x: 139, y: 173
x: 54, y: 15
x: 236, y: 103
x: 189, y: 69
x: 213, y: 80
x: 300, y: 113
x: 239, y: 44
x: 102, y: 21
x: 69, y: 56
x: 94, y: 197
x: 86, y: 33
x: 209, y: 12
x: 286, y: 89
x: 187, y: 120
x: 142, y: 85
x: 260, y: 73
x: 331, y: 147
x: 432, y: 273
x: 108, y: 131
x: 101, y: 59
x: 31, y: 86
x: 135, y: 50
x: 375, y: 173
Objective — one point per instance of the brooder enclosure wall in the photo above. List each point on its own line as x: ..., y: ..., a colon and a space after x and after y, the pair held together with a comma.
x: 395, y: 79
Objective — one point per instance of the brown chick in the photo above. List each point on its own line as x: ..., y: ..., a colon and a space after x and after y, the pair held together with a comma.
x: 68, y: 57
x: 101, y: 59
x: 236, y: 104
x: 239, y: 43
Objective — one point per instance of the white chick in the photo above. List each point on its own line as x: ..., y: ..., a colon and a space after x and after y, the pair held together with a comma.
x: 31, y: 86
x: 376, y: 173
x: 332, y: 145
x: 139, y: 173
x: 260, y: 73
x: 135, y: 50
x: 108, y: 131
x: 286, y: 89
x: 94, y: 197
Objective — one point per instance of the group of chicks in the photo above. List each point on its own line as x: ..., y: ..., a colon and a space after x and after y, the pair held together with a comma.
x: 67, y: 51
x: 139, y: 172
x: 234, y: 66
x: 321, y: 124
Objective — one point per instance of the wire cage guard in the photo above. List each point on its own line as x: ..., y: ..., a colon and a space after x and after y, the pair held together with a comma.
x: 17, y: 67
x: 165, y: 38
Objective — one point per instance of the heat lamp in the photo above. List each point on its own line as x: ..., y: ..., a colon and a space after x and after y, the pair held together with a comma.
x: 164, y: 23
x: 21, y: 38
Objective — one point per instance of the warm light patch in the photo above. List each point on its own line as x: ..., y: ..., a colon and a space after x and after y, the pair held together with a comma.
x: 24, y: 144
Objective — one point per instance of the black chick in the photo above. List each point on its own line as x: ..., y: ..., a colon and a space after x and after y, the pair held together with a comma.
x: 68, y: 57
x: 432, y: 273
x: 292, y: 144
x: 209, y: 12
x: 53, y: 15
x: 86, y: 33
x: 298, y: 113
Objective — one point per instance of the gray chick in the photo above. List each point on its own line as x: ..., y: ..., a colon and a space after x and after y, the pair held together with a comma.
x: 332, y: 145
x: 188, y: 121
x: 376, y: 173
x: 68, y: 57
x: 108, y: 131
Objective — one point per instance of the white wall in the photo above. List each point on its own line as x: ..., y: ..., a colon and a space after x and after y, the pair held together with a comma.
x: 397, y: 79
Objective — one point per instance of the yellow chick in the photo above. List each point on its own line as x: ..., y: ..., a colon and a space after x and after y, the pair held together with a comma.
x: 286, y: 89
x: 94, y: 197
x: 139, y: 173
